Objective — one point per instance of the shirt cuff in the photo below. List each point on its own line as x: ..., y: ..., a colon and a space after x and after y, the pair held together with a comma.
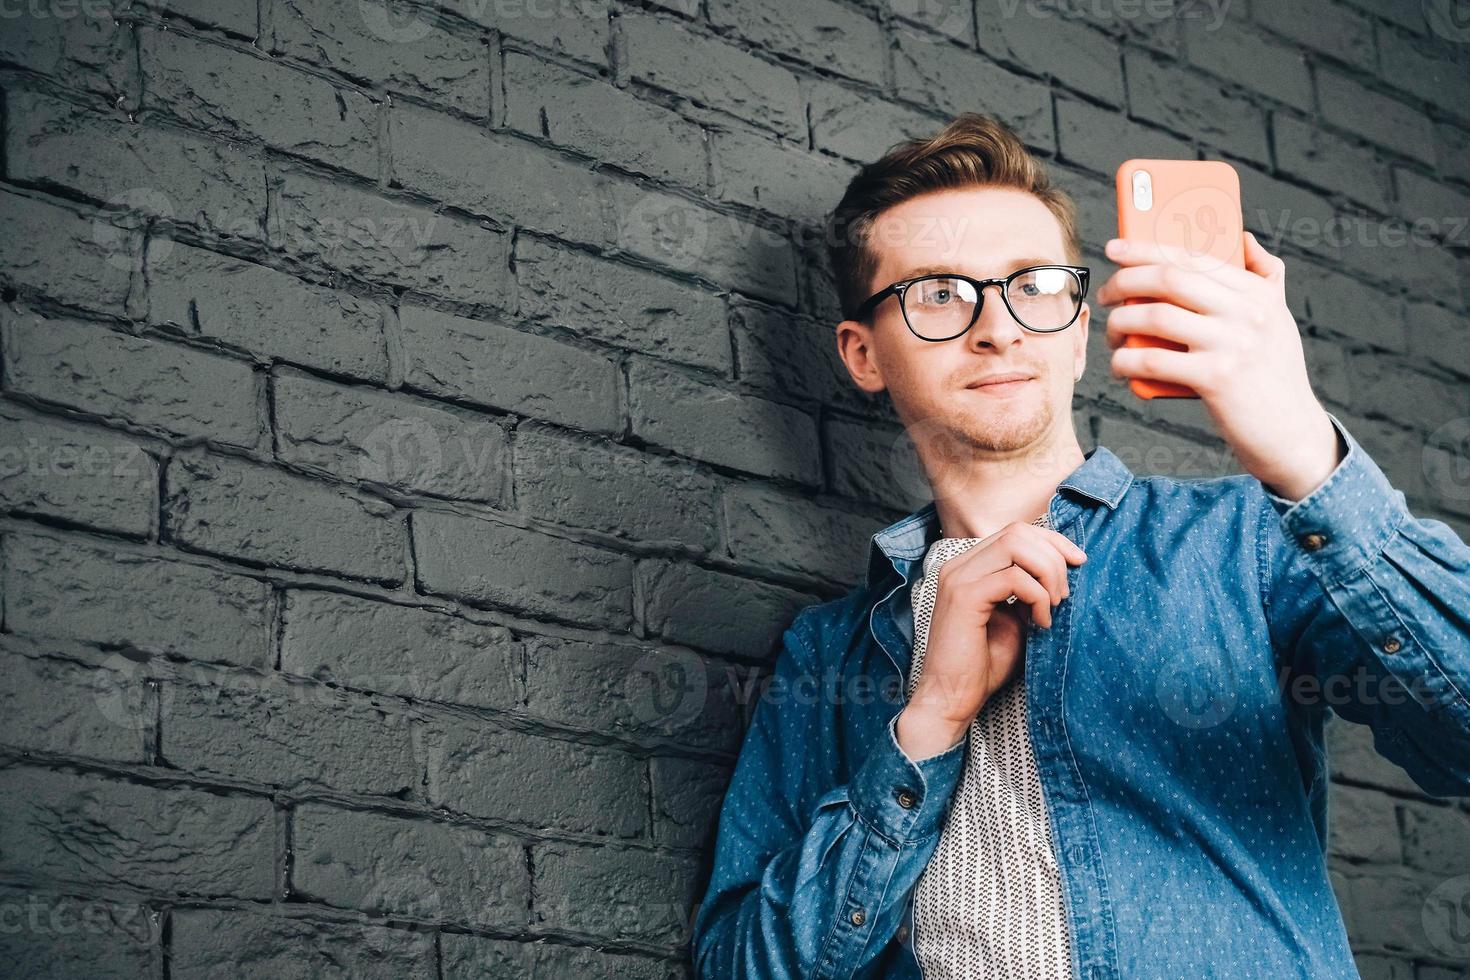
x: 1345, y: 522
x: 902, y: 799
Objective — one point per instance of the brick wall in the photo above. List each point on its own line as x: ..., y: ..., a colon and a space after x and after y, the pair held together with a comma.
x: 421, y: 422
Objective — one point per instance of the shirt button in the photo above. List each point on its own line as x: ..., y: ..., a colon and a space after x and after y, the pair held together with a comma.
x: 1391, y: 645
x: 1313, y: 541
x: 858, y: 917
x: 903, y: 933
x: 905, y: 799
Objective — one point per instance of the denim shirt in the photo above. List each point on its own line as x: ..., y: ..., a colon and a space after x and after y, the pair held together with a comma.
x: 1176, y: 705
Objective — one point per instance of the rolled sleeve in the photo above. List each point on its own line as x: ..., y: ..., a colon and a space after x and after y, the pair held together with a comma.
x: 889, y: 779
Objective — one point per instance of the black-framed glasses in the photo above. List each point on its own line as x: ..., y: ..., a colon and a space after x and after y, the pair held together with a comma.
x: 942, y: 306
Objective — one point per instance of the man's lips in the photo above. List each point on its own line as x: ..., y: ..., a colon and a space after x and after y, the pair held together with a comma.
x: 1003, y: 380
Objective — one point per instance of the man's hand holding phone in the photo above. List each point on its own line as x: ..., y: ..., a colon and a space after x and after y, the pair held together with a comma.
x: 976, y: 640
x: 1242, y: 354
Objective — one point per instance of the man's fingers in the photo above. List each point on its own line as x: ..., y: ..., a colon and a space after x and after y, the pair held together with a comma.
x: 1026, y: 589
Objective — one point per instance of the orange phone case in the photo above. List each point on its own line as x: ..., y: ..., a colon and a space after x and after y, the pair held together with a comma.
x: 1195, y: 206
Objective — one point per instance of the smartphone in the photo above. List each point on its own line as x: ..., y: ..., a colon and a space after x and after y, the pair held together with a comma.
x: 1190, y: 204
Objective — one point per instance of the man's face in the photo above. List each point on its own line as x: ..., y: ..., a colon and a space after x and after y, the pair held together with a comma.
x: 983, y: 233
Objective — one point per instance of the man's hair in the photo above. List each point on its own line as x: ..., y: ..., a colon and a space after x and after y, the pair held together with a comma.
x: 973, y: 150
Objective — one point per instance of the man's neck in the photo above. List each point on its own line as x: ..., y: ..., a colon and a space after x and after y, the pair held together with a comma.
x: 996, y: 489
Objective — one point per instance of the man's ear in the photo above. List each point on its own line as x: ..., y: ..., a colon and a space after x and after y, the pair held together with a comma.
x: 855, y: 347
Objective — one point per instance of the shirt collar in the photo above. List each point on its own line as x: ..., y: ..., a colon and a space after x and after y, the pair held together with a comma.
x: 1101, y: 477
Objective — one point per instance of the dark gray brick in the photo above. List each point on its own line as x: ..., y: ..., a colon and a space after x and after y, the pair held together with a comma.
x: 500, y: 176
x: 1433, y: 207
x: 797, y: 357
x: 665, y: 54
x: 579, y: 30
x: 777, y: 177
x: 418, y: 653
x: 591, y: 116
x: 51, y: 705
x: 207, y: 943
x: 215, y: 186
x: 796, y: 535
x: 1092, y: 137
x: 1280, y: 212
x: 874, y: 463
x: 432, y: 871
x: 400, y: 49
x: 1433, y: 836
x: 674, y: 232
x: 687, y: 795
x: 231, y: 92
x: 1066, y: 46
x: 466, y: 957
x: 1439, y: 334
x: 266, y: 313
x: 1389, y: 906
x: 77, y: 473
x: 287, y: 735
x: 1385, y: 120
x: 615, y: 893
x: 496, y: 366
x: 1146, y: 449
x: 65, y: 588
x: 1393, y: 388
x: 55, y: 937
x: 1452, y: 151
x: 89, y: 51
x: 370, y: 237
x: 714, y: 610
x: 378, y: 437
x: 1329, y: 161
x: 591, y: 483
x: 262, y: 515
x: 543, y: 783
x: 851, y: 43
x: 1350, y: 308
x: 937, y: 73
x: 1322, y: 25
x: 721, y: 426
x: 88, y: 829
x: 487, y: 563
x: 232, y: 18
x: 1246, y: 56
x: 653, y: 690
x: 1182, y: 100
x: 50, y: 251
x: 163, y: 387
x: 621, y: 305
x: 1364, y: 826
x: 855, y: 125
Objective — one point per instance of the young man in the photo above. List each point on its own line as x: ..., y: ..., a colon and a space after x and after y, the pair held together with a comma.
x: 940, y: 782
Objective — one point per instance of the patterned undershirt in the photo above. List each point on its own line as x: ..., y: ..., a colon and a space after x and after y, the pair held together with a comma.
x: 989, y: 903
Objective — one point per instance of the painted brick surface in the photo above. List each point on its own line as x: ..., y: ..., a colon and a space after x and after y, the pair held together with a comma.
x: 420, y: 421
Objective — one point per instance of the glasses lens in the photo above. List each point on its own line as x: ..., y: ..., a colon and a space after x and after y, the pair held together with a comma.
x: 939, y: 308
x: 1045, y: 299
